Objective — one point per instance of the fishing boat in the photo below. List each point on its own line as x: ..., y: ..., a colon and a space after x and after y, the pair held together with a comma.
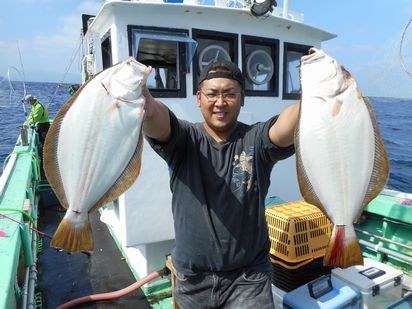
x: 134, y: 234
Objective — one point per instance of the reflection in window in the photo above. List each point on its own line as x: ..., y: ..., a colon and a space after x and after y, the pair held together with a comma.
x: 162, y: 57
x: 107, y: 51
x: 291, y: 66
x: 169, y: 52
x: 292, y: 71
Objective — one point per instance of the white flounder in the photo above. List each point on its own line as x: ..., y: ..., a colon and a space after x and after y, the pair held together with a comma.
x: 92, y: 152
x: 341, y: 160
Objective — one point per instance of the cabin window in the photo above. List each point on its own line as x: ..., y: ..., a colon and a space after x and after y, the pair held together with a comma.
x: 260, y: 66
x: 107, y: 51
x: 212, y: 45
x: 291, y: 64
x: 169, y: 52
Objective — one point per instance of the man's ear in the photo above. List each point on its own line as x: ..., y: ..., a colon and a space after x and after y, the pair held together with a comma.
x: 198, y: 94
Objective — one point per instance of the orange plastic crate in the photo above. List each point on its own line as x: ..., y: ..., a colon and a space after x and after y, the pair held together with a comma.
x: 298, y: 231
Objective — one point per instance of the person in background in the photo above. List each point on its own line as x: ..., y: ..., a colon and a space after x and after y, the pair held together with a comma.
x: 219, y: 177
x: 38, y: 117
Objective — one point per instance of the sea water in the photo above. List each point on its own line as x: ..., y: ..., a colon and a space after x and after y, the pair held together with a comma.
x: 394, y: 117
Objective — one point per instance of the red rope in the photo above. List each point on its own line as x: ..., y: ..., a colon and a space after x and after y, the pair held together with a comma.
x: 32, y: 228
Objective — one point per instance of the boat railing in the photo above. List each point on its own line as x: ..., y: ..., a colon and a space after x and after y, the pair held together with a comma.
x: 18, y: 202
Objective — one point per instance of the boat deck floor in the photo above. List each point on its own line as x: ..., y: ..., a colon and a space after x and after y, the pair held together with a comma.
x: 63, y: 277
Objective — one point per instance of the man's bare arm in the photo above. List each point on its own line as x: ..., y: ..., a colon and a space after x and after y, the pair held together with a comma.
x: 282, y: 132
x: 157, y: 121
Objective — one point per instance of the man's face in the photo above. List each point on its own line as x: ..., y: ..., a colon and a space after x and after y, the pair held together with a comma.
x: 220, y: 100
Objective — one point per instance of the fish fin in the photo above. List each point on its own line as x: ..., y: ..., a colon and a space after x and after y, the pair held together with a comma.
x: 343, y: 249
x: 73, y: 235
x: 126, y: 179
x: 380, y: 171
x: 306, y: 189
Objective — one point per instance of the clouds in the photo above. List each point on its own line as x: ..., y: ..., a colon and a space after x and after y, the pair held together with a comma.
x: 46, y: 43
x: 368, y: 42
x: 48, y: 34
x: 90, y: 6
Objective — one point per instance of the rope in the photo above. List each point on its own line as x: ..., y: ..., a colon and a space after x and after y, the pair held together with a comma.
x: 400, y: 49
x: 19, y: 211
x: 71, y: 60
x: 28, y: 216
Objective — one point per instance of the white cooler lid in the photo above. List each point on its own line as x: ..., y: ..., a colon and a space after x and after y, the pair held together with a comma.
x: 370, y: 274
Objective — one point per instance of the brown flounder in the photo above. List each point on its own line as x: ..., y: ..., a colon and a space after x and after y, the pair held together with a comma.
x: 341, y: 159
x: 92, y: 152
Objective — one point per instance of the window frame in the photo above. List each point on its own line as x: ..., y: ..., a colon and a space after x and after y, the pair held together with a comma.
x: 107, y: 55
x: 296, y: 48
x: 231, y: 38
x: 274, y: 45
x: 181, y: 70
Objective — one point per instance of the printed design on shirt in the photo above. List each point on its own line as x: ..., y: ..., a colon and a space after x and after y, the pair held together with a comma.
x: 243, y: 171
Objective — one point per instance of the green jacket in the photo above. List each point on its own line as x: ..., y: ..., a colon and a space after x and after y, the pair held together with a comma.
x: 39, y: 114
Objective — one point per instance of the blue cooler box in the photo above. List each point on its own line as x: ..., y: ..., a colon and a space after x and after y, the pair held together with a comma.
x: 325, y: 292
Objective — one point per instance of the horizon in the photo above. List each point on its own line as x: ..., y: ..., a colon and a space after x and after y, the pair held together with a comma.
x: 67, y: 83
x: 366, y: 46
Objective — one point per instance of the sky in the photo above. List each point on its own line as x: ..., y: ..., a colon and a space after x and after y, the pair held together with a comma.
x: 45, y: 35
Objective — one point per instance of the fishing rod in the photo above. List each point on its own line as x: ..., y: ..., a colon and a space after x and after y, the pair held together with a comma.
x: 12, y: 90
x: 71, y: 60
x: 24, y: 79
x: 400, y: 49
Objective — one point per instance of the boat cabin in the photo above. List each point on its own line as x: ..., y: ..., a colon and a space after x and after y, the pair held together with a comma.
x: 178, y: 39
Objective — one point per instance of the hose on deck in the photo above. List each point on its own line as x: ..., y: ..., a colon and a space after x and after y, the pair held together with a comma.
x: 116, y: 294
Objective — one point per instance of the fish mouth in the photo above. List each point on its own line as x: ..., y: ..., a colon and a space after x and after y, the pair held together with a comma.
x: 313, y: 55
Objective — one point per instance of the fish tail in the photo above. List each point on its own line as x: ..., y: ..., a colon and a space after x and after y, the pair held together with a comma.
x: 74, y: 233
x: 343, y: 250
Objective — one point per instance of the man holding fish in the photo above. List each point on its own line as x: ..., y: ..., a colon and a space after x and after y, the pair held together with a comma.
x: 219, y: 169
x: 220, y: 174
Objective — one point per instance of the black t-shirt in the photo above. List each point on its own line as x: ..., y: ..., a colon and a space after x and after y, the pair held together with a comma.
x: 218, y: 192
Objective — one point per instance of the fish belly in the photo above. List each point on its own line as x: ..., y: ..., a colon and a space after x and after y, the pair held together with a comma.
x: 93, y: 149
x: 337, y: 154
x: 96, y: 143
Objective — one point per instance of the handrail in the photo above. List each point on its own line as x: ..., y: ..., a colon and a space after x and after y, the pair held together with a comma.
x: 16, y: 185
x: 380, y: 248
x: 6, y: 173
x: 384, y: 239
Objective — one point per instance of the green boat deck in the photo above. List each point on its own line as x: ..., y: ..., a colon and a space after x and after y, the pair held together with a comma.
x: 34, y: 275
x: 17, y: 192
